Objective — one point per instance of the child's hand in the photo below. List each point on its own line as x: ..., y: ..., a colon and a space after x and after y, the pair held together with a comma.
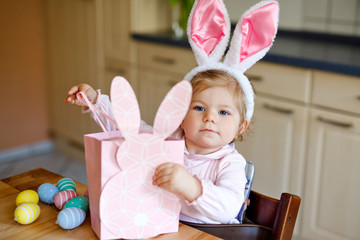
x: 87, y: 89
x: 175, y: 178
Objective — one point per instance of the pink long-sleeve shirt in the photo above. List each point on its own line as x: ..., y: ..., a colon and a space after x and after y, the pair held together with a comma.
x: 221, y: 173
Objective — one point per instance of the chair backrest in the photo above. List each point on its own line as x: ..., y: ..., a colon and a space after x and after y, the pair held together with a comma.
x: 262, y: 217
x: 265, y: 218
x: 279, y: 215
x: 249, y: 172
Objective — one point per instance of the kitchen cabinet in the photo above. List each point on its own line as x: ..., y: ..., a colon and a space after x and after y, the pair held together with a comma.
x: 116, y: 25
x: 115, y: 68
x: 159, y: 69
x: 276, y: 142
x: 118, y: 47
x: 120, y: 18
x: 153, y: 88
x: 276, y: 145
x: 305, y: 139
x: 90, y: 41
x: 72, y: 59
x: 331, y: 189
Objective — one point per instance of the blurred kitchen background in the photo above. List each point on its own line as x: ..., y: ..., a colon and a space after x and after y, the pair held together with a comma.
x: 305, y: 137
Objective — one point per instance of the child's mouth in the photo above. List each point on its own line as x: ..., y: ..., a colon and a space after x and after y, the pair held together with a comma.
x: 208, y: 130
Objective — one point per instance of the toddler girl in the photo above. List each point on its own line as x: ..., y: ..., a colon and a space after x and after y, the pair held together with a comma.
x: 212, y: 181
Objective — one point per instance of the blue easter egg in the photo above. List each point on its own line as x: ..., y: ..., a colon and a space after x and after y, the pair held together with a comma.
x: 71, y: 217
x: 79, y: 202
x: 66, y: 184
x: 47, y: 192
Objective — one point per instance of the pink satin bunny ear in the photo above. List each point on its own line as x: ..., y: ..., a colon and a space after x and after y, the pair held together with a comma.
x: 173, y: 109
x: 125, y: 106
x: 253, y: 35
x: 208, y: 30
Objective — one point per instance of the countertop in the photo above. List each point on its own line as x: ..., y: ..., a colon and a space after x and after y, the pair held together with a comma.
x: 338, y: 54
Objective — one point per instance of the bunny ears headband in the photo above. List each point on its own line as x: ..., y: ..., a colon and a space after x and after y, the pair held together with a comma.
x: 208, y: 32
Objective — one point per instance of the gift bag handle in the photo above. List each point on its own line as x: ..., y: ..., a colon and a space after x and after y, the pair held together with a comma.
x: 95, y: 110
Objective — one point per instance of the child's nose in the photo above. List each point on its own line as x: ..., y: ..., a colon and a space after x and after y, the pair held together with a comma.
x: 209, y: 116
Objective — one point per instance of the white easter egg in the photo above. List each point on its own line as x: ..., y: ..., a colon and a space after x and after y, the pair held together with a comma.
x: 71, y: 217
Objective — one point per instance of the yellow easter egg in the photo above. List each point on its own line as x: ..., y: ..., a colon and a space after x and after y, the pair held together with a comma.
x: 27, y: 196
x: 26, y: 213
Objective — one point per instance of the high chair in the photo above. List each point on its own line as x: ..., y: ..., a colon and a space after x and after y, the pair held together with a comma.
x: 263, y: 218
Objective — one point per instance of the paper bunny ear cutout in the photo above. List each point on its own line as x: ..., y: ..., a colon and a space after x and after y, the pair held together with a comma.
x: 209, y: 31
x: 125, y: 106
x: 173, y: 109
x: 168, y: 118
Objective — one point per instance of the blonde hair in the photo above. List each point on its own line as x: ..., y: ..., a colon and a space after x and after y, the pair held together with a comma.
x: 216, y: 78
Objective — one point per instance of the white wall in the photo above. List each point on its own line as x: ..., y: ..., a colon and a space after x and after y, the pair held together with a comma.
x: 326, y: 16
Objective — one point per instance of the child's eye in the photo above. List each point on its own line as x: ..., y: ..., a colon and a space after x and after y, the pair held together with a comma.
x: 198, y: 108
x: 224, y: 113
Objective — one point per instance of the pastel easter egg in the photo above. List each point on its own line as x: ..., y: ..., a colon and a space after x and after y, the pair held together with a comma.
x: 63, y: 197
x: 66, y: 184
x: 71, y: 217
x: 86, y: 193
x: 79, y: 202
x: 47, y: 192
x: 26, y: 213
x: 27, y: 196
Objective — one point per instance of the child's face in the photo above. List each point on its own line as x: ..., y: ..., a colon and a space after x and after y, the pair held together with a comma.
x: 212, y: 121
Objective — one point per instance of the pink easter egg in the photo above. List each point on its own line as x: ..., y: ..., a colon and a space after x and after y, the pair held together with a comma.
x: 86, y: 193
x: 62, y: 197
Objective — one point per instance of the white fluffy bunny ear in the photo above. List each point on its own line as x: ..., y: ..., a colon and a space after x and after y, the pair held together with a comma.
x: 173, y: 109
x: 208, y: 30
x: 253, y: 35
x: 125, y: 106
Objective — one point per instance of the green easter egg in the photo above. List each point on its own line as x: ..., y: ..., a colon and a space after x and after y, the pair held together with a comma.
x: 66, y: 184
x: 79, y: 202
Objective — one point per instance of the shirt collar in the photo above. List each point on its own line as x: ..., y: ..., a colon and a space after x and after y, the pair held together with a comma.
x: 222, y: 152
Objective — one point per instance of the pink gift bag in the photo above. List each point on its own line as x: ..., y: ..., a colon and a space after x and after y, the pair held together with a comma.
x: 120, y: 164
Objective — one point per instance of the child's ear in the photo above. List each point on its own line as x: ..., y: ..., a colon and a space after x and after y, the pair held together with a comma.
x: 242, y: 128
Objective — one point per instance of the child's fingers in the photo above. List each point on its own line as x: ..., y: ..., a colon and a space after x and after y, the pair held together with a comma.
x: 71, y: 95
x: 73, y: 90
x: 79, y: 103
x: 159, y: 174
x: 90, y: 93
x: 162, y: 171
x: 164, y: 166
x: 70, y: 99
x: 161, y: 180
x: 73, y: 100
x: 165, y: 182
